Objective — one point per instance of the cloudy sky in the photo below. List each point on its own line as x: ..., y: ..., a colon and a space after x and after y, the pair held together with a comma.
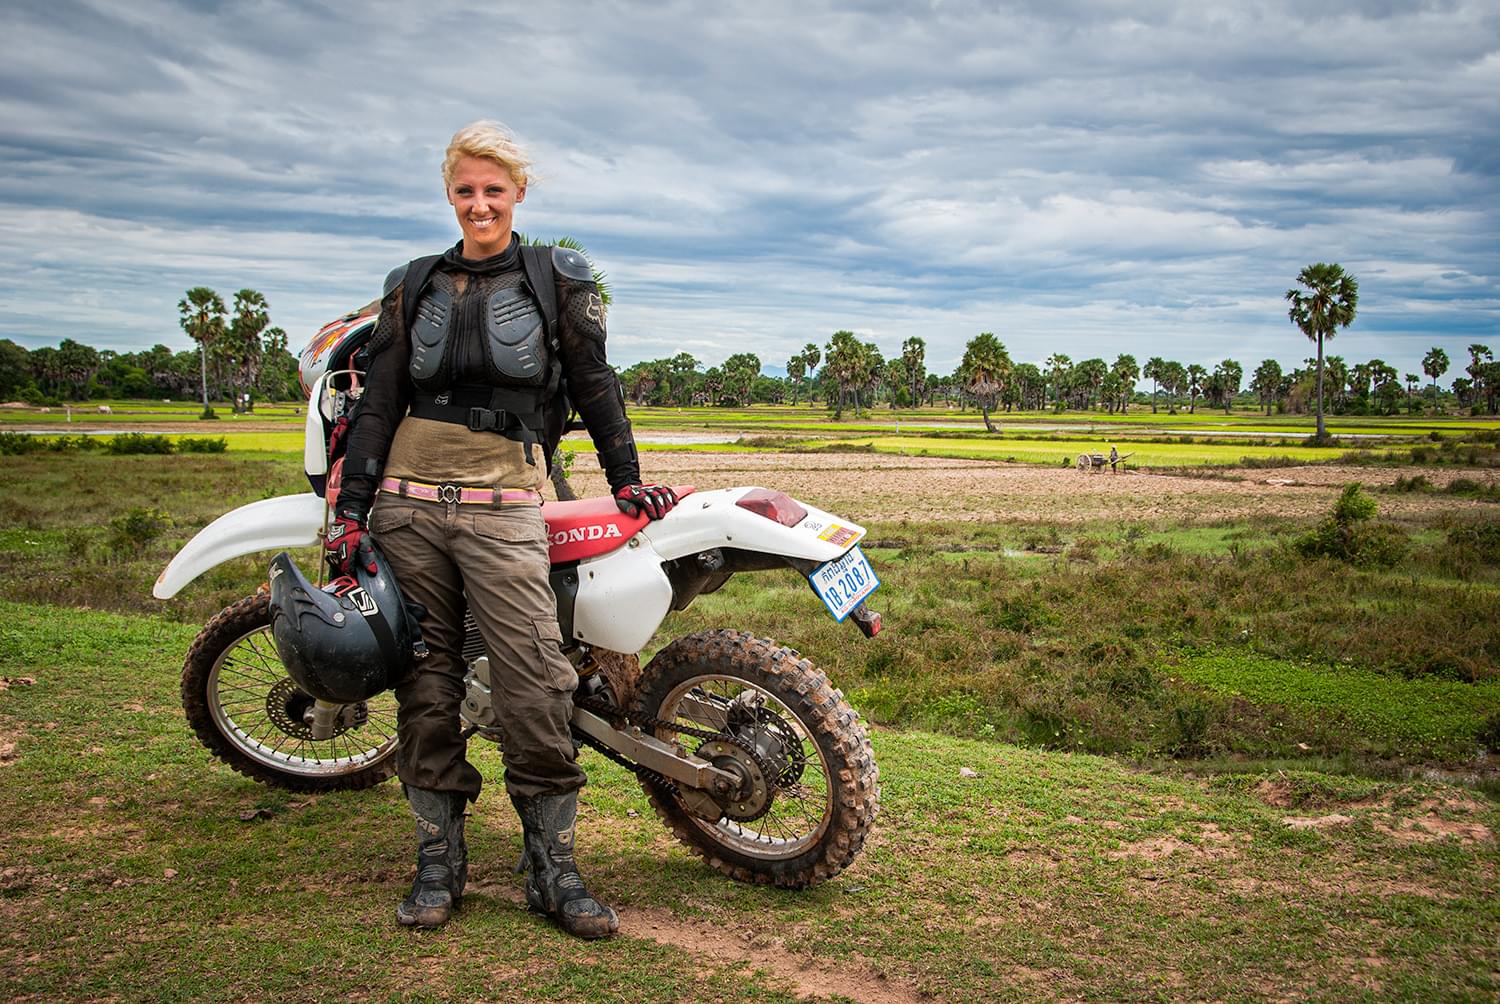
x: 1080, y: 176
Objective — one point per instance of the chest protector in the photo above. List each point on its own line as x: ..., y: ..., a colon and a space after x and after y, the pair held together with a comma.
x: 511, y: 335
x: 517, y: 336
x: 525, y: 397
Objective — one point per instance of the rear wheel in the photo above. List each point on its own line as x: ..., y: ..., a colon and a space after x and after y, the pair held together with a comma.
x: 809, y: 785
x: 249, y: 713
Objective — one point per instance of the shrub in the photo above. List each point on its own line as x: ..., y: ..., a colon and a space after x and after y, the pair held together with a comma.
x: 73, y: 444
x: 1024, y: 614
x: 1469, y: 488
x: 1084, y: 549
x: 1416, y: 483
x: 131, y: 531
x: 137, y: 442
x: 15, y: 444
x: 1489, y: 733
x: 1479, y: 541
x: 1349, y: 535
x: 190, y: 444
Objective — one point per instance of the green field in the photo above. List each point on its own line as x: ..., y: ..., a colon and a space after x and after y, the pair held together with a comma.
x: 137, y: 869
x: 1203, y: 770
x: 1046, y: 438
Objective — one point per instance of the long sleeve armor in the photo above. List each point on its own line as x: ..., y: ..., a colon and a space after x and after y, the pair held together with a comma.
x: 592, y: 385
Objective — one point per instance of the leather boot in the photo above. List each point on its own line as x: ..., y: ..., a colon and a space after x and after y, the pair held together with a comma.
x: 458, y: 851
x: 553, y: 885
x: 439, y: 816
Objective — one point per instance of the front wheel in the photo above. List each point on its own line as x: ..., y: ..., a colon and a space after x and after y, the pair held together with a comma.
x: 249, y: 713
x: 811, y: 785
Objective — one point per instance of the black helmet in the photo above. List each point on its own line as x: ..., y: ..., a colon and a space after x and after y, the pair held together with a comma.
x: 347, y: 641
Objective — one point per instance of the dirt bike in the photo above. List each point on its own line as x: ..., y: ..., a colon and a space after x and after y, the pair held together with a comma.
x: 744, y: 748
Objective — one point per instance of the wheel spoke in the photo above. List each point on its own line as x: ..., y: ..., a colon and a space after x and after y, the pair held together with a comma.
x: 799, y: 812
x: 248, y: 674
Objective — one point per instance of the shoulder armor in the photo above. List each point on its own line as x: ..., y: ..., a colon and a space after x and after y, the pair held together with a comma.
x: 571, y: 265
x: 393, y: 279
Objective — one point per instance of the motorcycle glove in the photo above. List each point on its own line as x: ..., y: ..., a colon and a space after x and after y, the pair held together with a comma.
x: 348, y: 545
x: 336, y: 438
x: 654, y: 500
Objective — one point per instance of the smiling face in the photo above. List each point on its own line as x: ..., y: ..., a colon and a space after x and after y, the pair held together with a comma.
x: 484, y: 196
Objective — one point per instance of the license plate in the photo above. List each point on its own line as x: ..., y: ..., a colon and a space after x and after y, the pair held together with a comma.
x: 843, y: 583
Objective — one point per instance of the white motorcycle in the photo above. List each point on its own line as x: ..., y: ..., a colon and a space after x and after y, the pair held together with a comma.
x: 744, y: 748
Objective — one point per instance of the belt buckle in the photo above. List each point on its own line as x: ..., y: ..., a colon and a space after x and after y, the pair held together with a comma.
x: 485, y: 420
x: 452, y: 494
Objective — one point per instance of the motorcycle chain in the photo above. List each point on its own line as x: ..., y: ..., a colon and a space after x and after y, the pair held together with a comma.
x: 608, y: 710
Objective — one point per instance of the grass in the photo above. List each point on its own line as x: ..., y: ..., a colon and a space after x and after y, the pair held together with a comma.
x: 1210, y: 436
x: 131, y: 873
x: 1065, y: 637
x: 1053, y: 451
x: 1406, y: 714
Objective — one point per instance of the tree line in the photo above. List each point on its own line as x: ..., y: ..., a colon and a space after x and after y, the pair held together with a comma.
x: 240, y: 356
x: 857, y: 375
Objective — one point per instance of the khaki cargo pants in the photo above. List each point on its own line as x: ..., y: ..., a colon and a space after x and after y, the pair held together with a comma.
x: 499, y: 556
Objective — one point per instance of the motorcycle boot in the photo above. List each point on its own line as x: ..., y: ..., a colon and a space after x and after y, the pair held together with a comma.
x: 553, y: 885
x: 442, y: 859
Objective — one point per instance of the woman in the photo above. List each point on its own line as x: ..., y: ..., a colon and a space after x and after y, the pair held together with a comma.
x: 446, y: 447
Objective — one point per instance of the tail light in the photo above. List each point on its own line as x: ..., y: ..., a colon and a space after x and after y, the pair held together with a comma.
x: 774, y: 505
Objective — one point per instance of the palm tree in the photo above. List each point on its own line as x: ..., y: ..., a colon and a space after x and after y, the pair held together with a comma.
x: 796, y: 369
x: 76, y: 365
x: 1326, y: 303
x: 811, y: 356
x: 842, y: 366
x: 914, y: 359
x: 1088, y: 378
x: 202, y: 317
x: 986, y: 366
x: 1195, y: 375
x: 252, y: 314
x: 1152, y: 371
x: 1126, y: 370
x: 1267, y: 382
x: 1230, y: 373
x: 871, y: 369
x: 1479, y: 358
x: 1058, y: 365
x: 1174, y: 381
x: 1435, y: 364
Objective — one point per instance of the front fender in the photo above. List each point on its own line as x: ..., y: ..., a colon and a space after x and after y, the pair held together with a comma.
x: 267, y: 525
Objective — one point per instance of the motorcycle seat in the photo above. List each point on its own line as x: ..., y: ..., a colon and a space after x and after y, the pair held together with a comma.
x: 587, y: 528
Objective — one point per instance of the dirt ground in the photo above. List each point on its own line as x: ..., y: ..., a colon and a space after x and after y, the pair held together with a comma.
x: 886, y: 487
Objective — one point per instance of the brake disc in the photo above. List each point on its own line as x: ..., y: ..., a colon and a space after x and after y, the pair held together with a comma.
x: 285, y: 705
x: 756, y: 791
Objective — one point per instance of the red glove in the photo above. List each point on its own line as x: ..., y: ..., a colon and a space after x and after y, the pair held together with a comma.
x: 336, y: 438
x: 348, y: 545
x: 654, y: 500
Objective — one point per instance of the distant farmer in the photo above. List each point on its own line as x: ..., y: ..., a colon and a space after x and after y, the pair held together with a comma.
x: 447, y: 448
x: 1114, y: 458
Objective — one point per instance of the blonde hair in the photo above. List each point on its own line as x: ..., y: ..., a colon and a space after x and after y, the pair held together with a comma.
x: 492, y: 141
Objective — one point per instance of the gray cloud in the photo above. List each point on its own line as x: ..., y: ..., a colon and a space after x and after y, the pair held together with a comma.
x: 1090, y: 177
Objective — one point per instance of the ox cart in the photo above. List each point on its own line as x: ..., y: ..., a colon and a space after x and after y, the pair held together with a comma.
x: 1090, y: 462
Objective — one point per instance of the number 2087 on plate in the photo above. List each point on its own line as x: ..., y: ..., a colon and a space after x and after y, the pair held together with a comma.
x: 844, y: 582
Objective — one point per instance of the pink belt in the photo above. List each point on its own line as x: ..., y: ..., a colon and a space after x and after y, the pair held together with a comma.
x: 460, y: 495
